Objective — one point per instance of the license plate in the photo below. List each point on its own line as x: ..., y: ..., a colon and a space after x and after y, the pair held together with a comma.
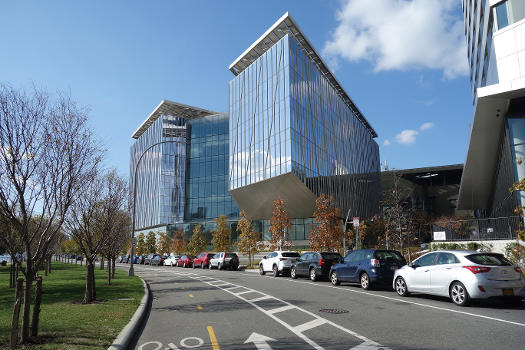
x: 508, y: 291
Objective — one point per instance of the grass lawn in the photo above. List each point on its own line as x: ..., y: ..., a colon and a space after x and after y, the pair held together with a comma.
x: 65, y: 323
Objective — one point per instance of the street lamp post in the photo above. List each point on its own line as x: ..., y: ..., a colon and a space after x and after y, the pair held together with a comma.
x: 131, y: 271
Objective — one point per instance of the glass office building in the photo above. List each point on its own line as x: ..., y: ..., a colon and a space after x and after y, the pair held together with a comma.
x: 295, y: 133
x: 182, y: 177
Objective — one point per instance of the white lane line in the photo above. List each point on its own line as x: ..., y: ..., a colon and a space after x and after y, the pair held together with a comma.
x: 264, y: 297
x: 281, y: 309
x: 309, y: 325
x: 318, y: 320
x: 409, y: 302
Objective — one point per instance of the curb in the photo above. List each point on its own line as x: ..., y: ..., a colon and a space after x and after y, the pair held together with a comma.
x: 126, y: 335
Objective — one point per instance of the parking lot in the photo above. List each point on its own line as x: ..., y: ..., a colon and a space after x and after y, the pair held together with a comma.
x: 195, y: 308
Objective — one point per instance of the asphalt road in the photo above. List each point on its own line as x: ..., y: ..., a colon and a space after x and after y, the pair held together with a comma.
x: 235, y: 310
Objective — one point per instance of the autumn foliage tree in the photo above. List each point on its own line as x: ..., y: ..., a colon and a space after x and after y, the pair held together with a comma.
x: 326, y: 234
x: 222, y: 235
x: 248, y: 239
x: 151, y: 243
x: 163, y: 243
x: 141, y: 245
x: 279, y: 225
x: 197, y: 242
x: 516, y: 250
x: 178, y: 242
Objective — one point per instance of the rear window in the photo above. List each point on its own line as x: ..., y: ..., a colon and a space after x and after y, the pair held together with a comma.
x: 389, y: 255
x: 489, y: 259
x: 231, y: 255
x: 291, y: 255
x: 332, y: 256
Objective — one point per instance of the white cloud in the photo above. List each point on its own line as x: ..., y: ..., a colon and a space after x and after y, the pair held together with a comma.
x: 401, y: 35
x: 407, y: 136
x: 426, y: 126
x: 386, y: 143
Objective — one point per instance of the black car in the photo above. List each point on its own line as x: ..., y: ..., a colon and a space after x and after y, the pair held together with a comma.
x: 149, y: 258
x: 315, y: 265
x: 368, y: 267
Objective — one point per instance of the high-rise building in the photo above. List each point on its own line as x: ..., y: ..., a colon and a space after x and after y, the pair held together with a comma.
x: 292, y: 132
x: 495, y: 35
x: 295, y: 133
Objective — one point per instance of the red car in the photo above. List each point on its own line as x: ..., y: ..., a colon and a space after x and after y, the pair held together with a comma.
x: 203, y: 260
x: 185, y: 261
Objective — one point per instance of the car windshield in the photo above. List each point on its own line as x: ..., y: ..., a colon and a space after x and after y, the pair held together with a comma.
x: 332, y: 256
x: 489, y: 259
x: 389, y: 255
x: 231, y: 255
x: 291, y: 255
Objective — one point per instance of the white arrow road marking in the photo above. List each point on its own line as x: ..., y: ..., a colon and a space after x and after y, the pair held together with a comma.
x: 369, y: 345
x: 260, y: 341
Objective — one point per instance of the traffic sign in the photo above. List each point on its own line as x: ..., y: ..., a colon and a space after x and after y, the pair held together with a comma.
x: 356, y: 222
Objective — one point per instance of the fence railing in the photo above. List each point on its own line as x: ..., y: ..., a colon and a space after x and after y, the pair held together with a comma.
x: 477, y: 229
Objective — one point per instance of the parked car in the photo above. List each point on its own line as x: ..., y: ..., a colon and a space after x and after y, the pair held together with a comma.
x: 158, y: 260
x: 141, y: 259
x: 314, y: 265
x: 149, y: 258
x: 203, y: 260
x: 278, y: 262
x: 367, y: 267
x: 224, y: 260
x: 461, y: 276
x: 80, y: 258
x: 186, y: 261
x: 172, y: 260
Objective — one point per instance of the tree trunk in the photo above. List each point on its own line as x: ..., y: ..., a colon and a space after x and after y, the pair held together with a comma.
x: 409, y: 255
x: 88, y: 296
x: 102, y: 262
x: 16, y: 312
x: 109, y: 272
x: 12, y: 279
x: 113, y: 268
x: 27, y: 305
x: 36, y: 307
x: 94, y: 285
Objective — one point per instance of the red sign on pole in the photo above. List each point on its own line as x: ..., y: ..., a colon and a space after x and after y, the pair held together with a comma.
x: 356, y: 222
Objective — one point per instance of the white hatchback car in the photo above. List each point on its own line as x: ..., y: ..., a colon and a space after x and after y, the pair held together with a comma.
x: 460, y: 275
x: 278, y: 262
x: 171, y: 260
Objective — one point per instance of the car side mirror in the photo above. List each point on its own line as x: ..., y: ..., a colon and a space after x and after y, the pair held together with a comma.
x: 264, y: 257
x: 412, y: 265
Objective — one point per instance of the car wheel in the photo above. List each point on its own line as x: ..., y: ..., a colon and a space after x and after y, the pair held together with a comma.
x: 365, y: 281
x: 401, y: 287
x: 210, y: 266
x: 193, y: 265
x: 313, y: 275
x: 220, y: 267
x: 261, y: 270
x: 171, y: 264
x: 184, y: 265
x: 334, y: 279
x: 275, y: 271
x: 293, y: 273
x: 203, y: 266
x: 459, y: 294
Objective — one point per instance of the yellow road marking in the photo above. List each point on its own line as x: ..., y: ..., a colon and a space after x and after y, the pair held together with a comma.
x: 213, y: 339
x: 199, y: 307
x: 191, y: 295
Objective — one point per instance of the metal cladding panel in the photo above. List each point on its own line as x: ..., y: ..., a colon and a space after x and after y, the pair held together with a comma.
x: 257, y: 199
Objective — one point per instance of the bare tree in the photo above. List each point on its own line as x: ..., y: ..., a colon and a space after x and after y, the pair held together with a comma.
x: 47, y: 152
x: 92, y: 221
x: 119, y: 238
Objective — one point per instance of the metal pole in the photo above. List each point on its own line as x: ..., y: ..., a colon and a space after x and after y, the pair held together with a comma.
x: 131, y: 271
x: 344, y: 237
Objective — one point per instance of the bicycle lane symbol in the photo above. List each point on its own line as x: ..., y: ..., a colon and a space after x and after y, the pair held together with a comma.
x: 186, y: 343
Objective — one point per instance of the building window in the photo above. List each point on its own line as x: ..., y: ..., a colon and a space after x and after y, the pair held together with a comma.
x: 509, y: 12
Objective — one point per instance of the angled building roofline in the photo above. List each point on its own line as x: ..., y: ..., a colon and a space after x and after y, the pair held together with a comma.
x: 286, y: 25
x: 167, y: 107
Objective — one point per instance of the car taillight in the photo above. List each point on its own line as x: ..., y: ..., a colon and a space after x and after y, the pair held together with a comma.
x: 322, y: 261
x: 282, y: 259
x: 375, y: 262
x: 517, y: 269
x: 477, y: 269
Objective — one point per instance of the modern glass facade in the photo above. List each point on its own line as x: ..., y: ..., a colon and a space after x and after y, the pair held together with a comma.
x: 287, y: 117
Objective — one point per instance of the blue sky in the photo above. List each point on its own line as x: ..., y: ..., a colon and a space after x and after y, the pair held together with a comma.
x: 403, y: 62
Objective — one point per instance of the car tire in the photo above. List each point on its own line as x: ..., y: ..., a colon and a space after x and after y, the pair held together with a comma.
x: 210, y: 266
x: 203, y: 266
x: 275, y: 271
x: 313, y: 275
x: 364, y: 280
x: 334, y: 279
x: 219, y: 267
x: 261, y: 270
x: 459, y: 294
x: 193, y: 266
x: 171, y: 264
x: 401, y: 287
x: 293, y: 273
x: 184, y: 265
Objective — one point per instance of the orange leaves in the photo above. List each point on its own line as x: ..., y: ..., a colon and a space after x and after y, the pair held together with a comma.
x: 326, y: 234
x: 178, y: 243
x: 279, y: 224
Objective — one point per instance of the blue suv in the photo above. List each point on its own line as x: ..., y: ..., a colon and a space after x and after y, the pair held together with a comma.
x: 367, y: 267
